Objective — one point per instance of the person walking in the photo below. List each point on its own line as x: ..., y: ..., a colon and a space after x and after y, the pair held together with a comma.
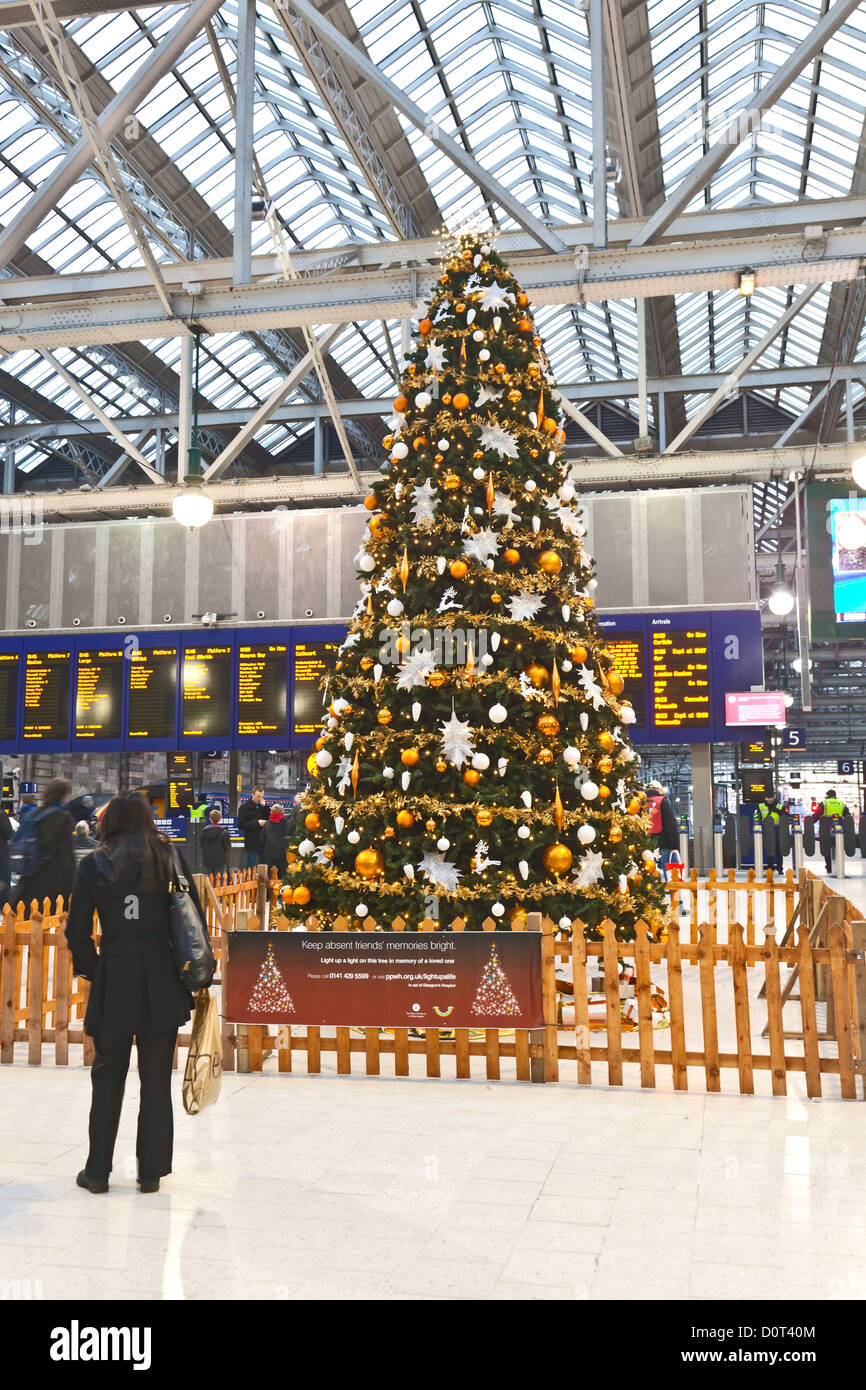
x: 663, y: 823
x: 252, y: 819
x: 7, y: 830
x: 276, y: 837
x: 769, y: 810
x: 215, y: 845
x: 136, y: 991
x: 833, y: 806
x: 41, y: 852
x: 83, y: 842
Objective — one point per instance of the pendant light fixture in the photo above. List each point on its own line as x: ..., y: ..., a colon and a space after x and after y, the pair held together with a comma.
x: 192, y: 506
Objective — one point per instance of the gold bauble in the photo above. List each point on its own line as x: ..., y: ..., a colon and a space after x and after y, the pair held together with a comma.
x: 441, y: 764
x: 387, y: 441
x: 478, y: 454
x: 312, y: 765
x: 549, y: 562
x: 405, y: 819
x: 606, y: 741
x: 545, y: 755
x: 313, y: 821
x: 511, y: 556
x: 605, y: 765
x: 461, y: 400
x: 378, y: 523
x: 578, y: 654
x: 401, y: 404
x: 524, y: 326
x: 458, y: 569
x: 495, y: 598
x: 547, y: 724
x: 425, y: 326
x: 558, y: 859
x: 633, y: 807
x: 451, y: 481
x: 614, y: 835
x: 384, y: 716
x: 459, y: 307
x: 369, y: 863
x: 616, y: 682
x: 389, y: 832
x: 436, y: 679
x: 471, y: 777
x: 484, y: 816
x: 418, y: 442
x: 603, y: 792
x: 533, y: 368
x: 321, y: 741
x: 371, y: 501
x: 522, y: 300
x: 300, y: 895
x: 328, y: 851
x: 438, y: 458
x: 430, y: 825
x: 515, y: 395
x: 409, y: 757
x: 404, y: 645
x: 549, y: 425
x: 538, y: 674
x: 366, y: 663
x: 533, y: 453
x: 446, y: 399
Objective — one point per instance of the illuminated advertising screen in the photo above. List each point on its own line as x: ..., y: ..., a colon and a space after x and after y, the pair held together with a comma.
x: 206, y: 692
x: 836, y: 536
x: 262, y: 688
x: 848, y: 558
x: 98, y: 695
x: 152, y: 720
x: 46, y: 695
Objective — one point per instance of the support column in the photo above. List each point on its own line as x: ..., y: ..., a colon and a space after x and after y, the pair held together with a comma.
x: 318, y: 445
x: 642, y: 401
x: 702, y: 803
x: 849, y: 411
x: 599, y: 148
x: 9, y: 459
x: 184, y: 406
x: 244, y: 108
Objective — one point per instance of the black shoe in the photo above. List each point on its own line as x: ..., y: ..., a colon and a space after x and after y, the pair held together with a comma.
x: 92, y: 1184
x: 148, y: 1184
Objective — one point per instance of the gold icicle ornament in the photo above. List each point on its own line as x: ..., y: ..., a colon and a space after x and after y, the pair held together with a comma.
x: 489, y: 494
x: 540, y: 410
x: 369, y: 605
x: 356, y: 772
x: 470, y: 665
x: 463, y: 352
x: 558, y: 814
x: 404, y: 569
x: 555, y: 683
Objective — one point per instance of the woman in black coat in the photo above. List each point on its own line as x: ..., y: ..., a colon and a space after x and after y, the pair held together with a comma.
x: 56, y: 871
x: 135, y: 990
x: 276, y: 840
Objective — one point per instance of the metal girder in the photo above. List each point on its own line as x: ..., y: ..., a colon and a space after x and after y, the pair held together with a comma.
x: 377, y: 294
x: 745, y: 121
x: 14, y: 13
x: 434, y: 133
x: 833, y: 461
x: 86, y: 399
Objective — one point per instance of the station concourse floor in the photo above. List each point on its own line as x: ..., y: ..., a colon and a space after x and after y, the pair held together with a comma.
x: 299, y: 1187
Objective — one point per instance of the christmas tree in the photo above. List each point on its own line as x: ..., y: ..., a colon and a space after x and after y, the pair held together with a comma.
x: 270, y: 995
x: 474, y: 757
x: 494, y: 994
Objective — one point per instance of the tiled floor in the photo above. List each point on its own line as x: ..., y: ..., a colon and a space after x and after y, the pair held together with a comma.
x: 297, y: 1187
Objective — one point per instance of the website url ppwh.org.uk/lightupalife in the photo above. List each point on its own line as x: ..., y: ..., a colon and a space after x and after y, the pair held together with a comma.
x: 769, y: 1358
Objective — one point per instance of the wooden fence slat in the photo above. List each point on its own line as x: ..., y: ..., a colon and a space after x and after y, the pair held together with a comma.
x: 431, y: 1035
x: 737, y: 952
x: 548, y: 987
x: 807, y: 1014
x: 284, y: 1048
x: 613, y: 1008
x: 706, y: 964
x: 646, y: 1041
x: 461, y: 1035
x: 838, y: 943
x: 401, y: 1035
x: 581, y: 1003
x: 491, y: 1035
x: 372, y: 1063
x: 750, y: 907
x: 8, y: 976
x: 62, y: 966
x: 677, y: 1012
x: 35, y: 990
x: 775, y: 1032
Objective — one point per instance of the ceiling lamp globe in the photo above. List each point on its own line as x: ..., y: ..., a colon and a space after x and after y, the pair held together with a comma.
x: 781, y: 600
x: 191, y: 506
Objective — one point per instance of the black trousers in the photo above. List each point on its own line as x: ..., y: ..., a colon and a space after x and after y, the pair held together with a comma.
x: 155, y: 1120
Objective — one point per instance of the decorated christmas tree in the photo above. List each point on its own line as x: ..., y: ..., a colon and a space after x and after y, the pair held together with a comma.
x: 474, y: 758
x: 494, y: 994
x: 270, y: 994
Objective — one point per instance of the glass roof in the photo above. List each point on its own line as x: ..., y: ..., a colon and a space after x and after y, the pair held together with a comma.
x: 510, y: 81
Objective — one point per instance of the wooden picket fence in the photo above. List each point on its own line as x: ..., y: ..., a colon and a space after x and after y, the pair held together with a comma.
x: 713, y: 1021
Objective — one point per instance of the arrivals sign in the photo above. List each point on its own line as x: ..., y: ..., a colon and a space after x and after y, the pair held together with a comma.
x: 388, y: 979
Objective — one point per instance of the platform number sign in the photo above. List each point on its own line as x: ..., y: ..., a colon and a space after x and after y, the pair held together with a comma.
x: 793, y: 738
x: 844, y: 767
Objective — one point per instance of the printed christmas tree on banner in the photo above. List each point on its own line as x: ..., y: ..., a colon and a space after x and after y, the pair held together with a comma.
x: 270, y: 994
x: 475, y: 747
x: 494, y: 994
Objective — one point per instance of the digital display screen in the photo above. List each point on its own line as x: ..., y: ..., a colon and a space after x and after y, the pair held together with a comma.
x: 98, y: 694
x: 848, y: 558
x: 8, y: 696
x: 755, y: 787
x: 207, y: 677
x: 152, y: 692
x: 46, y: 695
x: 681, y: 678
x: 629, y: 659
x: 262, y: 689
x: 313, y: 660
x: 180, y: 795
x: 756, y: 751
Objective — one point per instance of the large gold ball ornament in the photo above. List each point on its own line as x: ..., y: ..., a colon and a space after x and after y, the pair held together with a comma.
x: 384, y: 716
x: 605, y: 765
x: 300, y: 895
x: 419, y: 442
x: 328, y: 851
x: 436, y: 679
x: 547, y: 724
x: 313, y: 821
x: 544, y: 755
x: 378, y: 524
x: 441, y: 764
x: 458, y: 569
x: 510, y: 555
x: 321, y: 741
x: 606, y: 741
x: 460, y: 307
x: 515, y: 395
x: 578, y: 654
x: 369, y: 863
x: 484, y: 816
x: 430, y: 825
x: 558, y: 859
x: 633, y: 807
x: 451, y: 481
x: 522, y: 300
x: 409, y: 757
x: 524, y: 326
x: 471, y: 777
x: 461, y: 401
x: 603, y: 792
x: 401, y: 403
x: 616, y: 682
x: 425, y: 326
x: 614, y: 835
x: 549, y: 426
x: 549, y: 562
x: 538, y: 674
x: 312, y: 765
x: 405, y: 819
x: 371, y: 501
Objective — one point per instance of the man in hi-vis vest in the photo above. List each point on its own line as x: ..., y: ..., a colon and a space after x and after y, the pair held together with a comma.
x: 832, y: 805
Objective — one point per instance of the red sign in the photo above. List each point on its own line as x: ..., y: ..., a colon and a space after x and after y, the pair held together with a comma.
x: 755, y: 707
x: 386, y: 979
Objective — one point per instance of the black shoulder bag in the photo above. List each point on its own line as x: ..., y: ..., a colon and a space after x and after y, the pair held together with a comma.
x: 190, y: 943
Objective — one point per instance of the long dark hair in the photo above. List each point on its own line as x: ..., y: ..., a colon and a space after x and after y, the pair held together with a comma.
x: 130, y: 839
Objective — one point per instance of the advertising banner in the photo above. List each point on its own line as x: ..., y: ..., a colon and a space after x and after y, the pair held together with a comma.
x: 754, y: 707
x: 386, y: 979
